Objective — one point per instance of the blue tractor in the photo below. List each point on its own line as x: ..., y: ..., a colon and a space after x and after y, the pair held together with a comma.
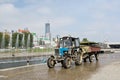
x: 67, y: 52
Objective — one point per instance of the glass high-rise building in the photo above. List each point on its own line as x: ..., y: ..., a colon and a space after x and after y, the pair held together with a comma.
x: 47, y: 28
x: 47, y: 31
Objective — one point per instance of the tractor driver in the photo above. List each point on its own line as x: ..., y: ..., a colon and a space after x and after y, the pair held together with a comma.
x: 67, y: 43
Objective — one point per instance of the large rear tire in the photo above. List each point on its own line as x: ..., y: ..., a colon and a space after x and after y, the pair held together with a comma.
x: 79, y: 60
x: 67, y: 62
x: 50, y: 62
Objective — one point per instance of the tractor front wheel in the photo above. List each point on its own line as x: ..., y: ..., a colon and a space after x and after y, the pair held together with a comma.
x: 50, y: 62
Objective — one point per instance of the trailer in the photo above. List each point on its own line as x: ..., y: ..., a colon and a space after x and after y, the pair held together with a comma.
x: 90, y: 51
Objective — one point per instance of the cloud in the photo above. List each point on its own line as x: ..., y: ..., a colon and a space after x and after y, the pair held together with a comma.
x: 8, y: 14
x: 44, y: 10
x: 91, y: 19
x: 34, y: 18
x: 62, y: 21
x: 7, y: 9
x: 7, y: 1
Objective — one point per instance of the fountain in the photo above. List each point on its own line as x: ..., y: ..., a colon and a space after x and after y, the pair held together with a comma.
x: 23, y: 41
x: 10, y: 42
x: 10, y: 45
x: 16, y: 61
x: 17, y: 42
x: 28, y: 47
x: 3, y: 41
x: 28, y: 41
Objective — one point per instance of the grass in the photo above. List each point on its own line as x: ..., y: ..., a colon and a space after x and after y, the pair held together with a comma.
x: 29, y: 50
x: 40, y: 50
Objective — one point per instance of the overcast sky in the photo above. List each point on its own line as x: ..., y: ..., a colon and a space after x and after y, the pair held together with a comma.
x: 97, y: 20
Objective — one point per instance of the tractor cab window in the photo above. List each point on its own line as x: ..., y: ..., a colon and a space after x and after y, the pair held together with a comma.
x: 77, y: 42
x: 67, y: 43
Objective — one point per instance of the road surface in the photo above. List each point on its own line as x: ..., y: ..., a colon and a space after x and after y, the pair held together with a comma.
x: 101, y: 70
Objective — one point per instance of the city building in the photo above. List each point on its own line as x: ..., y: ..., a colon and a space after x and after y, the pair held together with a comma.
x: 43, y: 40
x: 47, y: 31
x: 113, y: 44
x: 110, y: 45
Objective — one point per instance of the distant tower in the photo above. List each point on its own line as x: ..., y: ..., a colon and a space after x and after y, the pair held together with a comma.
x: 47, y: 31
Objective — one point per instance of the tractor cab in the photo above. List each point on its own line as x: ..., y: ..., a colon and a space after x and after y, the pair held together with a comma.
x: 67, y: 44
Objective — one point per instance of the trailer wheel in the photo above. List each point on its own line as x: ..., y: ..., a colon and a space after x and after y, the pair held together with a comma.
x: 78, y: 61
x: 91, y: 58
x: 96, y: 56
x: 84, y: 60
x: 50, y: 62
x: 67, y: 62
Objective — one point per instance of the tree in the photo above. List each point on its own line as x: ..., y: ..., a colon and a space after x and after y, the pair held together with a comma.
x: 0, y: 38
x: 41, y: 42
x: 14, y: 39
x: 85, y: 40
x: 7, y: 38
x: 26, y: 39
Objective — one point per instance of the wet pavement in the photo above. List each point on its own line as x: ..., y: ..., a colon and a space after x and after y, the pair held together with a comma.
x: 109, y: 72
x: 87, y: 71
x: 21, y: 61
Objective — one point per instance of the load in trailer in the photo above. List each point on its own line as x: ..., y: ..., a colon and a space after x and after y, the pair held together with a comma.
x: 68, y: 51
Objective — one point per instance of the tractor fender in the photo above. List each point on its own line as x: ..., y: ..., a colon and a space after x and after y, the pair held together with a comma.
x: 52, y: 56
x: 69, y: 55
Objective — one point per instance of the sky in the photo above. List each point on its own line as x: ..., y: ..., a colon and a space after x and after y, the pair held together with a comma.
x: 96, y: 20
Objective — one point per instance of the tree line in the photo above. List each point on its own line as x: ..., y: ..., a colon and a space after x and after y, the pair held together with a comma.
x: 10, y: 40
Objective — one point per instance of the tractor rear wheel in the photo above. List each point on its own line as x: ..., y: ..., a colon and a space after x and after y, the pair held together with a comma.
x: 67, y: 62
x: 50, y: 62
x: 78, y: 61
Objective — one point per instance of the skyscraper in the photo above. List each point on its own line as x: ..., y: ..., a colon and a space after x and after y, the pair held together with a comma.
x: 47, y: 28
x: 47, y: 31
